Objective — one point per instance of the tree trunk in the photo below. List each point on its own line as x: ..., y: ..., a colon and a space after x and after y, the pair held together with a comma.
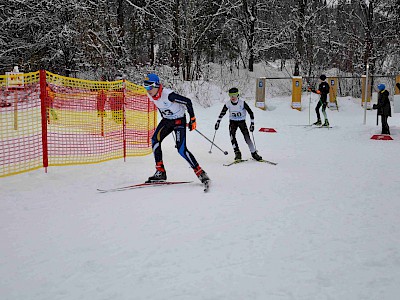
x: 299, y: 37
x: 176, y: 45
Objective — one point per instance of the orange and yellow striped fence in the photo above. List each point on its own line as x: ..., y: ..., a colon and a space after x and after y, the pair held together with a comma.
x: 51, y: 120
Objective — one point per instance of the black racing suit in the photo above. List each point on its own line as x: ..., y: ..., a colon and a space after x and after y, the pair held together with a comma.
x: 323, y: 90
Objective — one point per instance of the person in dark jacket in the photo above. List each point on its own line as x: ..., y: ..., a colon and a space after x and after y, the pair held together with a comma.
x: 323, y: 90
x: 383, y: 107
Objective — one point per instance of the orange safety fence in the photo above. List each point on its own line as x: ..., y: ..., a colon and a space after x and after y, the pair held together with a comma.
x: 51, y: 120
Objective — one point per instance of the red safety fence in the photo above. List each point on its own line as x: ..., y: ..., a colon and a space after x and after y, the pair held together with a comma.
x: 51, y: 120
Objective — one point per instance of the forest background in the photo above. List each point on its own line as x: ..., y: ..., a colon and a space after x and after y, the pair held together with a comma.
x: 96, y: 39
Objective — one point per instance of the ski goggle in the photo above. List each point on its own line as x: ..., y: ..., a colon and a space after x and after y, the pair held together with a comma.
x: 233, y: 94
x: 149, y: 85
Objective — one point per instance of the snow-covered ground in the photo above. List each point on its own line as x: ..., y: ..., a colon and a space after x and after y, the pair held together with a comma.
x: 322, y: 224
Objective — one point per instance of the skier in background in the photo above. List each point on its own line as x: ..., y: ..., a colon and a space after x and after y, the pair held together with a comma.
x: 50, y: 96
x: 383, y: 107
x: 101, y: 100
x: 237, y: 119
x: 323, y: 91
x: 117, y: 102
x: 172, y: 108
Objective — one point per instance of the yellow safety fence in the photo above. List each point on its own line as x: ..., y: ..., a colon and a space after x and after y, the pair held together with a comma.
x: 51, y: 120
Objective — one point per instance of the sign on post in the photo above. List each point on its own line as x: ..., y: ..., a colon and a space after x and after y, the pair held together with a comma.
x: 297, y: 83
x: 260, y: 93
x: 14, y: 79
x: 333, y: 86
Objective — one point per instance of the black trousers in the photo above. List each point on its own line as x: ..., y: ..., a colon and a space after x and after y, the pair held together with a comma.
x: 323, y: 104
x: 233, y: 126
x: 164, y: 128
x: 385, y: 125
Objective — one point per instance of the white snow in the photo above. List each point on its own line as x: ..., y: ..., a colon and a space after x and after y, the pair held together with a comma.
x: 322, y: 224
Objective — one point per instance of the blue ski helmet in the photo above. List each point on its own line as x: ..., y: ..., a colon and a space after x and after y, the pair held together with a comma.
x: 381, y: 86
x: 151, y: 81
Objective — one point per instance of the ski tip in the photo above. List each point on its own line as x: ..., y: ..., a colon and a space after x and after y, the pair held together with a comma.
x: 266, y: 161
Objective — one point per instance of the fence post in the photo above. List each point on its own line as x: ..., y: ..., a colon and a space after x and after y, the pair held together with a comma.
x: 43, y: 111
x: 124, y: 118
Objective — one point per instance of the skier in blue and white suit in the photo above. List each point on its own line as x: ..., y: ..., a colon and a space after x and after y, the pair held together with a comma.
x: 172, y: 108
x: 237, y: 119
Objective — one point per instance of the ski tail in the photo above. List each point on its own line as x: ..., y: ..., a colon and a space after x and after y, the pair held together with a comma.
x: 206, y: 185
x: 142, y: 185
x: 237, y: 161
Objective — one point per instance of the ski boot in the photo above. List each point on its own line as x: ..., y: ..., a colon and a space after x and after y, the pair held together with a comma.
x: 159, y: 175
x: 256, y: 156
x: 326, y: 123
x: 238, y: 155
x: 318, y: 123
x: 201, y: 174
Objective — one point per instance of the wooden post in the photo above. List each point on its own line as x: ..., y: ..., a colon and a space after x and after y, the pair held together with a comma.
x: 260, y: 93
x: 297, y: 83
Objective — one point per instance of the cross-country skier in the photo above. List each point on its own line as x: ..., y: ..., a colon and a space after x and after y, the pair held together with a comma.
x: 323, y: 90
x: 49, y: 102
x: 237, y: 119
x: 172, y: 108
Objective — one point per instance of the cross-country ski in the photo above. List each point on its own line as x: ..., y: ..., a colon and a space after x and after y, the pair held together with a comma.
x: 238, y: 161
x: 142, y: 185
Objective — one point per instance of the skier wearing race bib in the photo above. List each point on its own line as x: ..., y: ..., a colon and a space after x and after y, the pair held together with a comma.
x: 237, y: 119
x: 172, y: 108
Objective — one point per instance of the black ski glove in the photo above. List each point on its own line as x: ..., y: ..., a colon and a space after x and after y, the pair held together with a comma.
x: 252, y: 127
x: 217, y: 125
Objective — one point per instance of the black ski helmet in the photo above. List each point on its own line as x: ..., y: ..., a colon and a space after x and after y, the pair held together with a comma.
x: 233, y: 92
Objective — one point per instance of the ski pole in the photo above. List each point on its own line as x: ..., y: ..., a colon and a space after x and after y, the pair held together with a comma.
x: 225, y: 152
x: 212, y: 144
x: 254, y: 141
x: 309, y: 110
